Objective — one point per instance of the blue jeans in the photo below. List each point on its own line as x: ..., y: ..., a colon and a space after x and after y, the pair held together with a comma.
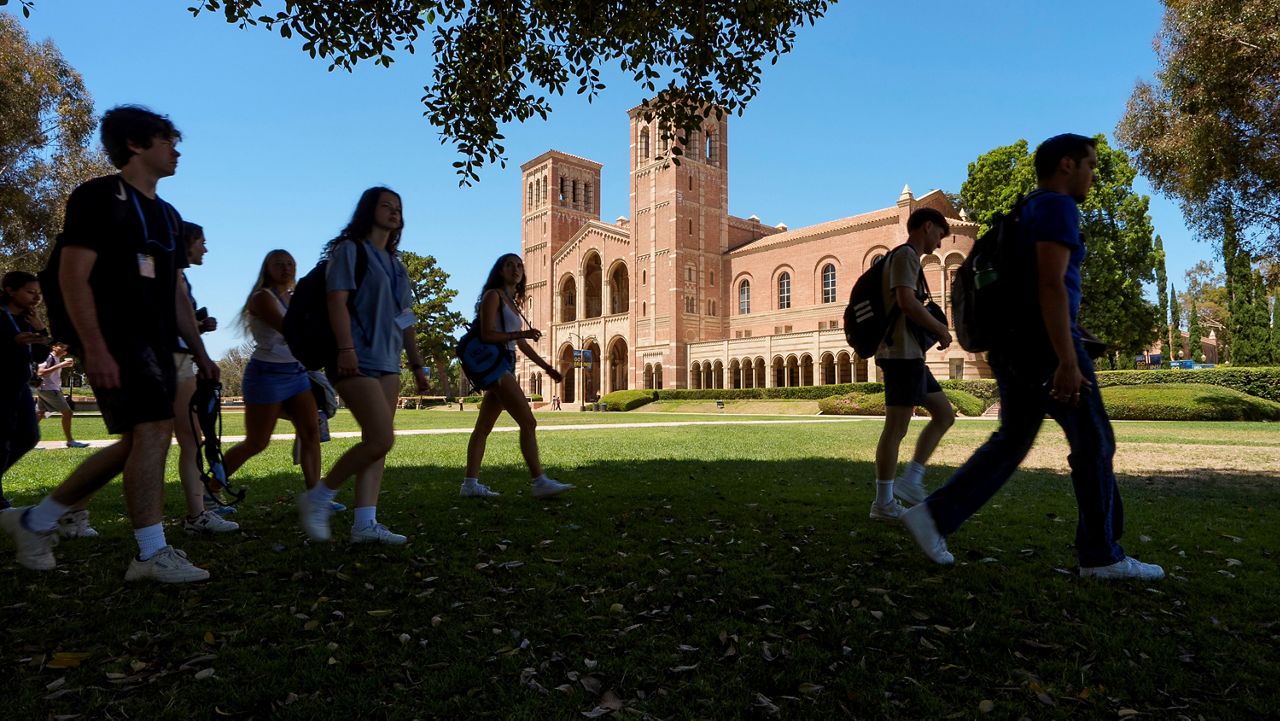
x: 19, y: 429
x: 1024, y: 402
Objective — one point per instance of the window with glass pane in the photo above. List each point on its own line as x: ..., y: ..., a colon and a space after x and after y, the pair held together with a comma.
x: 828, y: 283
x: 784, y: 291
x: 744, y: 298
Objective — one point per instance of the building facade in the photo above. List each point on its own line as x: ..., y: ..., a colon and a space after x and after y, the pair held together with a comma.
x: 682, y: 294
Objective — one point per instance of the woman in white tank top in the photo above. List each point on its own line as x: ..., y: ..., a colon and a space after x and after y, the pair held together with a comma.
x: 500, y: 321
x: 274, y: 381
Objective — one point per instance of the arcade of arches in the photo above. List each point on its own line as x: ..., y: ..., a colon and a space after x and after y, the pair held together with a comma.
x: 780, y: 372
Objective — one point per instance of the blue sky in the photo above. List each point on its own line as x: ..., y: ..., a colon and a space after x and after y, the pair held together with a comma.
x: 276, y: 149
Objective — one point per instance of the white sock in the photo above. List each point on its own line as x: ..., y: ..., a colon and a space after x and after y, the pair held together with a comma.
x: 913, y: 473
x: 366, y: 516
x: 321, y: 493
x: 150, y: 540
x: 470, y: 481
x: 44, y: 516
x: 884, y: 492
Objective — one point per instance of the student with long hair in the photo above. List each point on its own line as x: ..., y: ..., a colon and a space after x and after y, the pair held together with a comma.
x: 274, y: 381
x: 498, y: 313
x: 200, y: 518
x: 371, y: 314
x: 22, y: 339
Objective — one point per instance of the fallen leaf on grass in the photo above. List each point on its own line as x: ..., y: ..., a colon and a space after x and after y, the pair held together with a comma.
x: 67, y: 659
x: 682, y: 669
x: 811, y: 688
x: 1233, y: 562
x: 379, y: 613
x: 1127, y: 712
x: 56, y: 683
x: 986, y: 706
x: 204, y: 673
x: 208, y: 636
x: 311, y: 625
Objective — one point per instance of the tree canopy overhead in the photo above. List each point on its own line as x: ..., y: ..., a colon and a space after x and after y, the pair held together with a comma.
x: 1205, y: 132
x: 498, y: 61
x: 46, y: 143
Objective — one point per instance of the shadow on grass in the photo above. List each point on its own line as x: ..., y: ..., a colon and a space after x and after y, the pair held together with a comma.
x: 668, y: 588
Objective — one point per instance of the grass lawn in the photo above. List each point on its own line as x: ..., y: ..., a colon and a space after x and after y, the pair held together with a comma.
x: 718, y: 572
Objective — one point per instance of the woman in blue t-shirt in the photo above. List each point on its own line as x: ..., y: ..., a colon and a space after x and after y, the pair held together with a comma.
x: 371, y: 313
x: 22, y: 341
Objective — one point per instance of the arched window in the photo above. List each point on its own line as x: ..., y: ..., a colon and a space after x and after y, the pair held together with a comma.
x: 744, y: 298
x: 828, y: 283
x: 711, y: 148
x: 529, y: 201
x: 784, y: 291
x: 644, y: 143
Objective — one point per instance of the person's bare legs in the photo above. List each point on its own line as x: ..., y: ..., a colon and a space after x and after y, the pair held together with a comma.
x: 490, y: 409
x: 144, y: 472
x: 66, y: 425
x: 941, y: 417
x: 306, y: 426
x: 95, y: 472
x: 373, y: 403
x: 896, y: 421
x: 188, y: 447
x: 508, y: 391
x: 259, y: 423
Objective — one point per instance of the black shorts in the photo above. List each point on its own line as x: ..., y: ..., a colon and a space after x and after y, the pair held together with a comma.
x: 907, y: 381
x: 148, y: 384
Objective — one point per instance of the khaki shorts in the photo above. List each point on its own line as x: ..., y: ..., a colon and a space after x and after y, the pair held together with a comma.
x: 184, y: 367
x: 53, y: 401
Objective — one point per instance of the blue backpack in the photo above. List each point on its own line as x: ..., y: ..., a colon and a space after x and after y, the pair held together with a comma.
x: 482, y: 363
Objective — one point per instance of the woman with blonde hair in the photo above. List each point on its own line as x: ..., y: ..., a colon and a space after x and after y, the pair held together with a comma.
x: 274, y: 381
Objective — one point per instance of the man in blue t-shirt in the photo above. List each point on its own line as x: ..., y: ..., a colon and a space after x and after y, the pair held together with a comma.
x: 1046, y: 370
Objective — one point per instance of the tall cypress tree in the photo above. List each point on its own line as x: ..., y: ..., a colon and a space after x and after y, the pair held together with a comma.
x: 1275, y: 330
x: 1162, y: 293
x: 1195, y: 333
x: 1175, y: 332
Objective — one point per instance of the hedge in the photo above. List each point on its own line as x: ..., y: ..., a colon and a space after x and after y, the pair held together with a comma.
x: 1260, y: 382
x: 965, y: 403
x: 984, y: 388
x: 1186, y: 402
x: 872, y: 404
x: 808, y: 393
x: 627, y: 400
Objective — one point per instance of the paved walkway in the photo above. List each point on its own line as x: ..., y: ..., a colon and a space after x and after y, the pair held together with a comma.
x: 542, y: 428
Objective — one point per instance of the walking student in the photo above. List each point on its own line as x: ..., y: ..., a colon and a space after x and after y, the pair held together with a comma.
x: 1043, y: 367
x: 50, y: 390
x: 22, y: 337
x: 274, y: 381
x: 118, y: 259
x: 373, y: 323
x: 908, y: 382
x: 498, y: 313
x: 202, y: 516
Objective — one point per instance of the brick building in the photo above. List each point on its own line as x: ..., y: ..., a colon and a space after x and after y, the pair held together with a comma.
x: 685, y: 295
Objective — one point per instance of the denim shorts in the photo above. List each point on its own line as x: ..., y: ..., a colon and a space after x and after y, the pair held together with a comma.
x: 266, y: 383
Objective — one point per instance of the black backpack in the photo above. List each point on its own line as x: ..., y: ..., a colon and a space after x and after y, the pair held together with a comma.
x: 306, y: 322
x: 866, y: 320
x: 993, y: 293
x: 55, y: 306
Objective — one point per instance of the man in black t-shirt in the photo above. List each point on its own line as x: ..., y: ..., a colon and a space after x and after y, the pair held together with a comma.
x: 118, y: 260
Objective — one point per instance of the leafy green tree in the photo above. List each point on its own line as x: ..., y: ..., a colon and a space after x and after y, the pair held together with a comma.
x: 46, y: 132
x: 436, y: 324
x: 1162, y: 283
x: 1174, y: 342
x: 1195, y: 332
x: 1118, y: 232
x: 1206, y: 288
x: 497, y: 62
x: 1204, y: 132
x: 232, y: 366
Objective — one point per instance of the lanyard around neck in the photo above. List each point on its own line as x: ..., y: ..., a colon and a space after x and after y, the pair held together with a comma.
x: 146, y: 231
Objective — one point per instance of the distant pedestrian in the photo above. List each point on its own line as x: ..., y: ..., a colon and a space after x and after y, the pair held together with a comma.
x: 50, y: 391
x: 22, y: 339
x: 1043, y: 367
x: 373, y: 323
x: 908, y: 382
x: 499, y: 318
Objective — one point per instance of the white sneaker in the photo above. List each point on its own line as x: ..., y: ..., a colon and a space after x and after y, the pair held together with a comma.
x: 209, y: 523
x: 35, y: 550
x: 910, y: 490
x: 477, y: 490
x: 890, y: 511
x: 75, y: 524
x: 548, y: 487
x: 314, y: 517
x: 1124, y: 569
x: 377, y: 533
x: 918, y: 520
x: 169, y: 565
